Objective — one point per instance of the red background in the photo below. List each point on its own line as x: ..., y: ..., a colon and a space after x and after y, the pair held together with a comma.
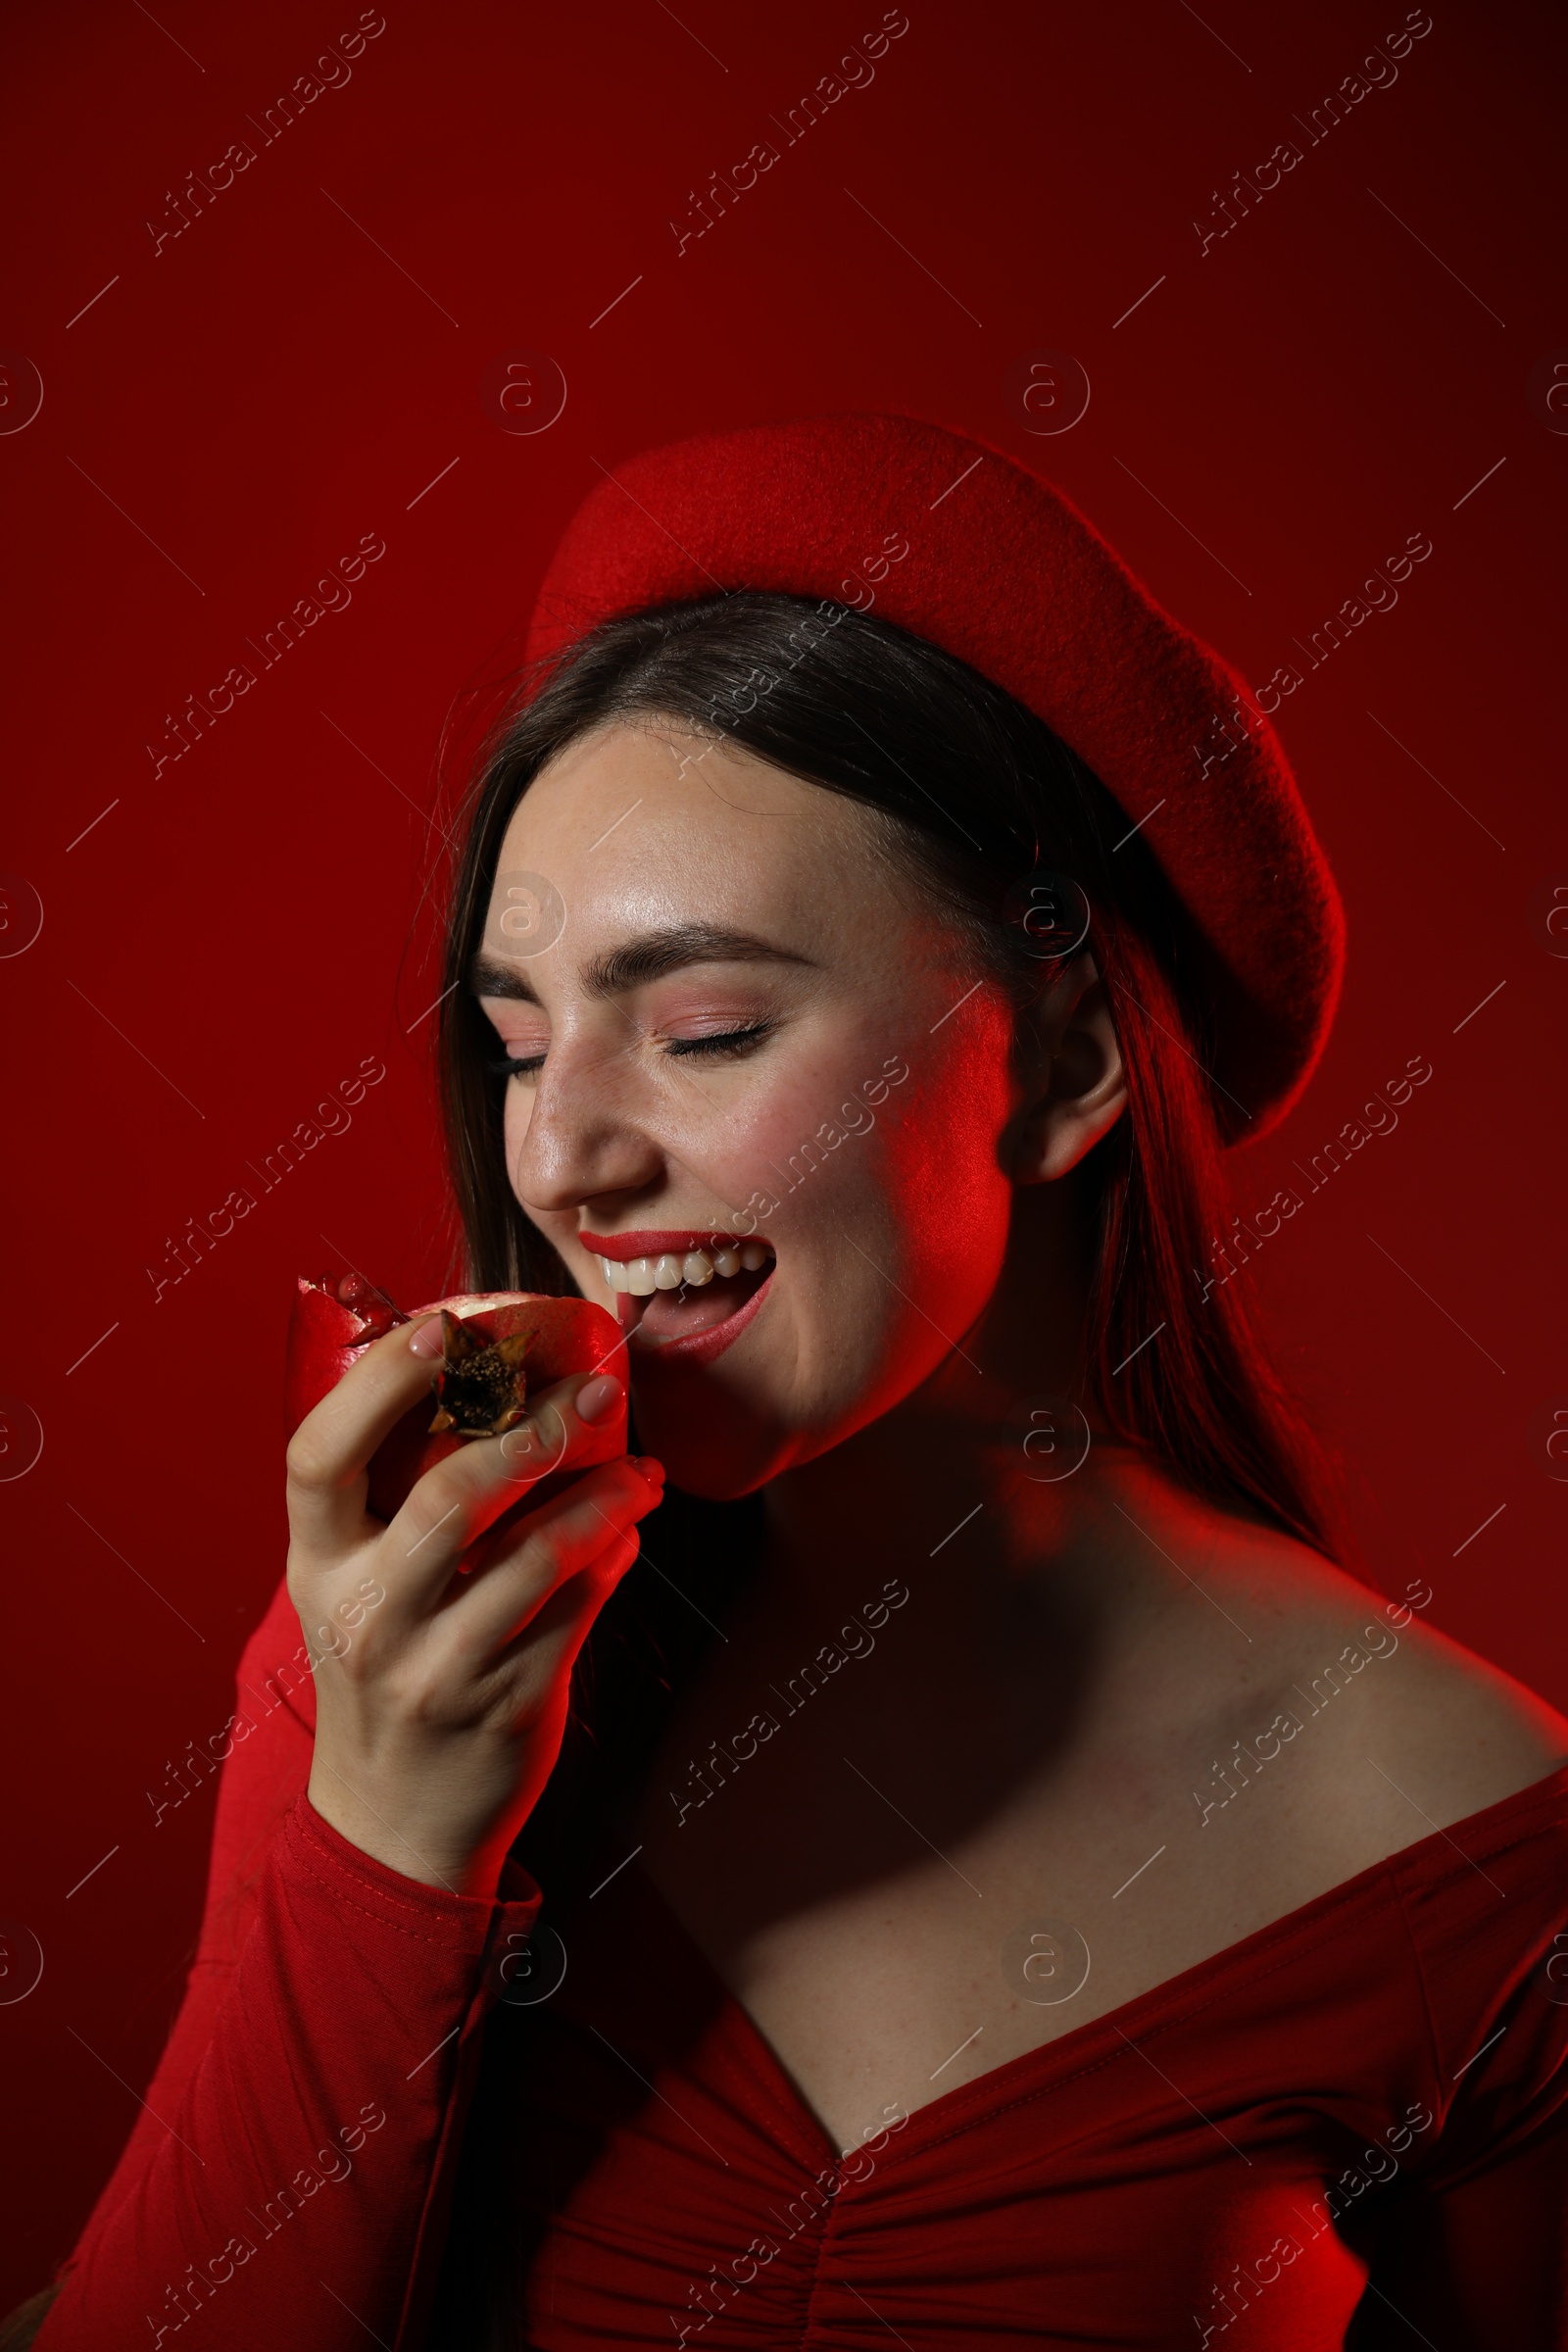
x: 239, y: 931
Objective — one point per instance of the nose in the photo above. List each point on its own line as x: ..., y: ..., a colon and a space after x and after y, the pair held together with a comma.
x: 583, y: 1137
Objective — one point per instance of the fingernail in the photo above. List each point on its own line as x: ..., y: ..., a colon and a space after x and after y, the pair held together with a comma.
x: 596, y: 1398
x: 647, y: 1467
x: 427, y: 1341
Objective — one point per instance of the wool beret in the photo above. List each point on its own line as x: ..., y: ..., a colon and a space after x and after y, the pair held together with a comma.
x: 1003, y: 571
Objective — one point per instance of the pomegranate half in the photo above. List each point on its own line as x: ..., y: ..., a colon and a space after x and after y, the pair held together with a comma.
x: 501, y: 1348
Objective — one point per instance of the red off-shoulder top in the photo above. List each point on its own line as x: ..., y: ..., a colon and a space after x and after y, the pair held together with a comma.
x: 1350, y: 2127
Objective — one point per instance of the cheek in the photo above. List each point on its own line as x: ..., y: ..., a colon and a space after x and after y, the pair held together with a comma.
x: 950, y: 1197
x: 914, y: 1176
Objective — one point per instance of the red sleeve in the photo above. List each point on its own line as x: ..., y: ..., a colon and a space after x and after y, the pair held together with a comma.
x: 293, y: 2161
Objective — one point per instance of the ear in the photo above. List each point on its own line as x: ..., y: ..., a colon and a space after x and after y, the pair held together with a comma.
x: 1075, y: 1084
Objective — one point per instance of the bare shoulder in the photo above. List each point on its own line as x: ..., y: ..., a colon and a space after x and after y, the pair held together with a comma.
x: 1470, y: 1732
x: 1395, y: 1729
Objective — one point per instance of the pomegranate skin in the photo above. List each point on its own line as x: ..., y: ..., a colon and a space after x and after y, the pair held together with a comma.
x: 567, y: 1334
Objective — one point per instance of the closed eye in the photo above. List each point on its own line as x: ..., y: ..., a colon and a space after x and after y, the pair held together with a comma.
x: 725, y: 1045
x: 723, y: 1042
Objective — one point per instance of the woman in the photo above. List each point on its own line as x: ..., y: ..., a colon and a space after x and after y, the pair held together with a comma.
x: 1003, y: 1880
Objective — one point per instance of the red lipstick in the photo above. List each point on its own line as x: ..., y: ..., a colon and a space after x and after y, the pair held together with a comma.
x: 623, y: 1247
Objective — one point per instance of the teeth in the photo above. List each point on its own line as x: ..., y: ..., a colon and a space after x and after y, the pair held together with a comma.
x: 642, y: 1276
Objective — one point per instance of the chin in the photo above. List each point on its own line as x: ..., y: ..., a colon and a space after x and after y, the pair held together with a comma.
x: 683, y: 1300
x: 715, y: 1347
x: 720, y: 1441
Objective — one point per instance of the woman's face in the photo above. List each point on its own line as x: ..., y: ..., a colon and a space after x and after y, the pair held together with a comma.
x: 744, y: 1037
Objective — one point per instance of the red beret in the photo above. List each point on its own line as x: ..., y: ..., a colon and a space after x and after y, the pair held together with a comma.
x: 1004, y: 571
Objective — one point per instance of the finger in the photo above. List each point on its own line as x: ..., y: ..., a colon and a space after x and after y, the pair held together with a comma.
x: 455, y: 1504
x: 329, y: 1451
x: 538, y: 1555
x: 574, y: 1421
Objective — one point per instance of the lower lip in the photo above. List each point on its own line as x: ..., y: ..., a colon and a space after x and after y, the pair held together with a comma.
x: 703, y: 1346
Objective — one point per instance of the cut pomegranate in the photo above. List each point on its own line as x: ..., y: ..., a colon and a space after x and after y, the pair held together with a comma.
x: 481, y: 1385
x: 499, y: 1346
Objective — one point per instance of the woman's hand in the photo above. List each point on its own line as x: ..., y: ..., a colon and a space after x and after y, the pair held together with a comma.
x: 440, y: 1708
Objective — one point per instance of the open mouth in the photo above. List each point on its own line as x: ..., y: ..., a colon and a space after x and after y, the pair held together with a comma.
x: 695, y: 1296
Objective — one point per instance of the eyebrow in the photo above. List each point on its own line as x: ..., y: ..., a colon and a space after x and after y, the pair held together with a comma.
x: 637, y: 960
